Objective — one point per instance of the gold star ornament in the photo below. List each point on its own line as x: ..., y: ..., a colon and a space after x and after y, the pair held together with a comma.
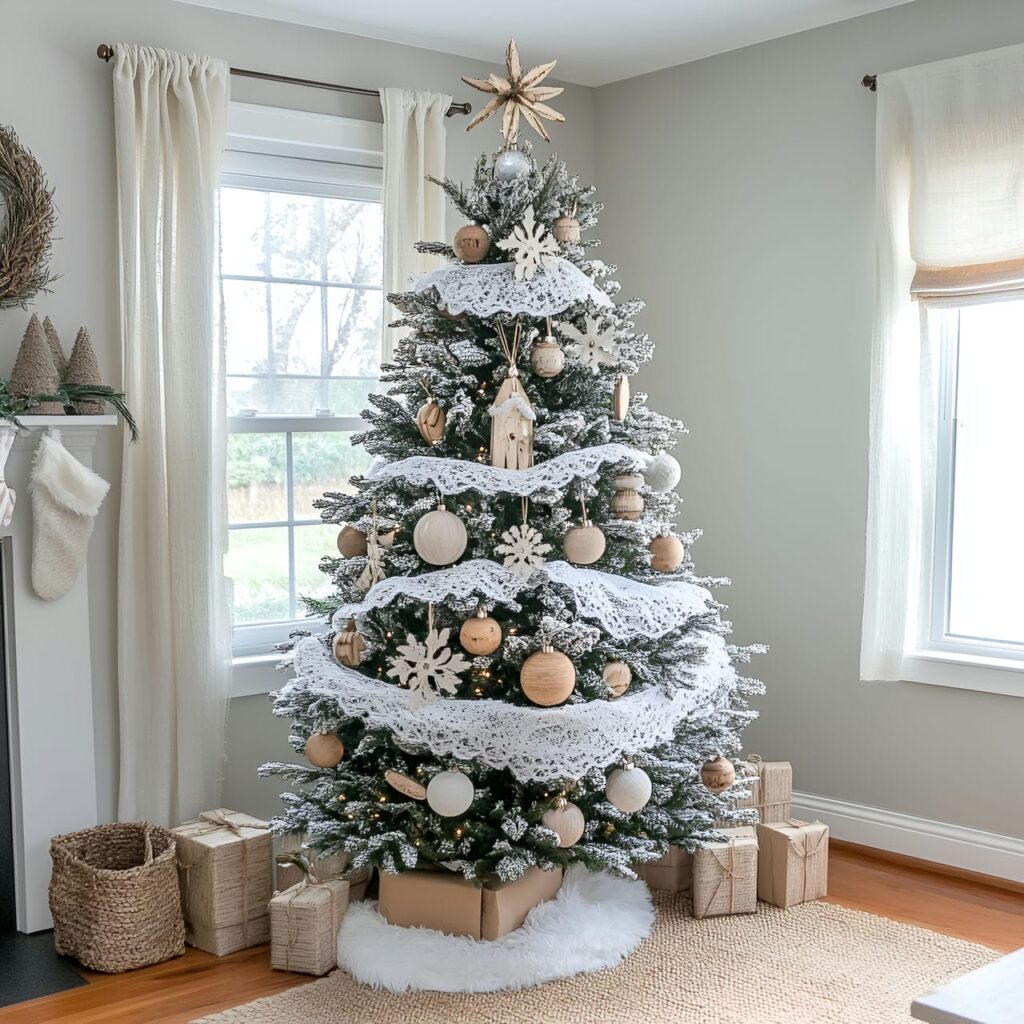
x: 521, y: 94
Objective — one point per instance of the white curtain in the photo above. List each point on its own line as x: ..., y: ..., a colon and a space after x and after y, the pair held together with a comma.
x: 950, y: 222
x: 174, y: 631
x: 413, y: 207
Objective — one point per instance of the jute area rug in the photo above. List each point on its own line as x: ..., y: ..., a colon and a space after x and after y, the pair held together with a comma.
x: 812, y: 964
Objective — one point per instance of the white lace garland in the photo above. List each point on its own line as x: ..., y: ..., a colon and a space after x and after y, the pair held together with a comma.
x: 484, y: 289
x: 535, y: 744
x: 454, y: 476
x: 624, y: 607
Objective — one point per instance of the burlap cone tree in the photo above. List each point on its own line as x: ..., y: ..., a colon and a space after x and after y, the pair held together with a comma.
x: 34, y: 372
x: 84, y: 368
x: 60, y: 361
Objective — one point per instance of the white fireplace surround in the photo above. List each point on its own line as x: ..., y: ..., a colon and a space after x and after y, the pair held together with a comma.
x: 49, y: 683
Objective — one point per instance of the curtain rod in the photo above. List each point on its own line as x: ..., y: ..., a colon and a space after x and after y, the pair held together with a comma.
x: 870, y: 82
x: 105, y: 51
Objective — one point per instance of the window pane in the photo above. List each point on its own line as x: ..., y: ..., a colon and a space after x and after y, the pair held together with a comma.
x: 355, y: 241
x: 295, y: 236
x: 311, y: 544
x: 355, y: 321
x: 298, y: 328
x: 245, y: 326
x: 295, y: 397
x: 257, y: 561
x: 241, y: 228
x: 323, y: 461
x: 249, y: 393
x: 348, y: 397
x: 257, y: 467
x: 986, y: 596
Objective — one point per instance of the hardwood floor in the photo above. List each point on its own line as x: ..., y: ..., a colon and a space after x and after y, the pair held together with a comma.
x: 196, y: 984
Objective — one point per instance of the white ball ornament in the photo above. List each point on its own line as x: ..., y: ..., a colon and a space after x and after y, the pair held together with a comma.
x: 628, y: 789
x: 450, y: 794
x: 511, y: 164
x: 662, y: 473
x: 566, y: 820
x: 440, y: 537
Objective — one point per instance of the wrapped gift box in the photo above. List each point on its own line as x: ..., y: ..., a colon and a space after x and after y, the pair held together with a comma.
x: 771, y: 792
x: 447, y: 902
x: 304, y: 923
x: 225, y: 870
x: 670, y: 873
x: 725, y: 875
x: 793, y: 865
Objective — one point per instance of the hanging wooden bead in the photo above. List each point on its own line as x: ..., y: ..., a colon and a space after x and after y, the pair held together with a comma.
x: 349, y: 646
x: 430, y: 419
x: 406, y: 786
x: 620, y: 399
x: 718, y: 775
x: 584, y: 544
x: 566, y: 230
x: 512, y: 415
x: 440, y: 537
x: 547, y: 677
x: 546, y: 356
x: 628, y: 788
x: 617, y: 676
x: 626, y: 502
x: 667, y: 553
x: 481, y: 634
x: 471, y: 243
x: 324, y: 750
x: 566, y: 820
x: 351, y: 542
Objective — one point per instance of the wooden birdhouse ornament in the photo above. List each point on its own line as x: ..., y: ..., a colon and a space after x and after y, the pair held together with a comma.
x: 512, y: 415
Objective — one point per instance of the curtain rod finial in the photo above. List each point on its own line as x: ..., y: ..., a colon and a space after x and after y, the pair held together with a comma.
x: 870, y: 82
x: 104, y: 51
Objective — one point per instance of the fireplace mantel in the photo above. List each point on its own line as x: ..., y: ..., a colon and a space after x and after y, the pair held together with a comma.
x: 49, y: 682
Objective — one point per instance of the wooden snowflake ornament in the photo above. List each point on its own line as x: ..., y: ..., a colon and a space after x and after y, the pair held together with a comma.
x: 428, y: 668
x: 532, y: 247
x: 521, y: 94
x: 593, y: 346
x: 524, y: 550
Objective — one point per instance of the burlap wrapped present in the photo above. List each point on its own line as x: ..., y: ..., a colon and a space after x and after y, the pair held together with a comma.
x: 447, y: 902
x: 771, y: 792
x: 304, y: 922
x: 793, y: 864
x: 725, y: 875
x: 670, y: 873
x: 225, y: 867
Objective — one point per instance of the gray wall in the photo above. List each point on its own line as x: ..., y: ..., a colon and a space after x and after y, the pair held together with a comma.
x: 740, y: 205
x: 57, y: 95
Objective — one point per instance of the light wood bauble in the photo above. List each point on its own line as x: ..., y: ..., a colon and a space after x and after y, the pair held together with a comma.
x: 567, y: 230
x: 667, y: 553
x: 351, y: 542
x: 627, y: 504
x: 324, y: 750
x: 471, y: 243
x: 349, y: 646
x: 620, y: 399
x: 547, y: 677
x: 450, y: 794
x: 566, y: 820
x: 481, y: 634
x: 628, y: 789
x: 617, y: 676
x: 718, y: 775
x: 584, y: 544
x: 547, y: 358
x: 406, y: 786
x: 440, y: 537
x: 430, y: 419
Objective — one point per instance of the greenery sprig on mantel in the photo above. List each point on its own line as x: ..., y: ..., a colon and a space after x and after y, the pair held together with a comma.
x: 13, y: 406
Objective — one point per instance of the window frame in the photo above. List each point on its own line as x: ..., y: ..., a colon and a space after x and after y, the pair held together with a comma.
x: 280, y: 150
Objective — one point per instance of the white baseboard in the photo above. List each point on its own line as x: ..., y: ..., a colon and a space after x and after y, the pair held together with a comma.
x: 971, y: 849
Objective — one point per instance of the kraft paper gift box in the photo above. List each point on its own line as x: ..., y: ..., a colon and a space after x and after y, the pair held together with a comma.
x: 725, y: 875
x: 670, y: 873
x: 304, y: 923
x: 771, y: 792
x: 793, y: 866
x: 447, y: 902
x: 225, y: 870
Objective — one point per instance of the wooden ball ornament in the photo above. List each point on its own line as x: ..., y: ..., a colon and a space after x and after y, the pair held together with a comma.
x: 480, y: 634
x: 406, y: 786
x: 450, y: 794
x: 718, y: 775
x: 349, y: 646
x: 440, y: 537
x: 324, y: 750
x: 351, y: 542
x: 662, y: 472
x: 471, y: 243
x: 620, y: 399
x: 667, y: 553
x: 567, y: 230
x: 628, y: 789
x: 584, y: 544
x: 430, y: 420
x: 547, y: 357
x: 617, y: 676
x: 547, y: 677
x: 566, y: 820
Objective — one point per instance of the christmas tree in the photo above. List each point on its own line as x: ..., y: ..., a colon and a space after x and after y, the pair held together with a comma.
x: 523, y: 668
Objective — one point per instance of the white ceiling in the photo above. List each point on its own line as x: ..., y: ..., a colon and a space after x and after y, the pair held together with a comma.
x: 595, y: 41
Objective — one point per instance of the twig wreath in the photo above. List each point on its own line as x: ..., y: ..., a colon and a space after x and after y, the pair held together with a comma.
x: 27, y: 216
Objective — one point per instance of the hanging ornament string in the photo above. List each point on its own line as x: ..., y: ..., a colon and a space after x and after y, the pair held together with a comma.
x: 583, y: 508
x: 373, y: 572
x: 511, y: 351
x: 525, y: 502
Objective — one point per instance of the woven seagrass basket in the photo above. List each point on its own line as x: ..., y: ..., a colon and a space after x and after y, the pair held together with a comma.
x: 114, y: 897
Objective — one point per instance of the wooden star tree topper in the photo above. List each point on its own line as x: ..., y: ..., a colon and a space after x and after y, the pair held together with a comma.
x: 521, y: 94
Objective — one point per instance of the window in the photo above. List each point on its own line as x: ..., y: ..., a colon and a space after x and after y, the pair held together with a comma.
x: 301, y: 240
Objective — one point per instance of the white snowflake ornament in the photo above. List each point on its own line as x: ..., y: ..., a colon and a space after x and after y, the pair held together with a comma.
x: 533, y: 248
x: 428, y: 668
x: 524, y: 550
x: 594, y: 345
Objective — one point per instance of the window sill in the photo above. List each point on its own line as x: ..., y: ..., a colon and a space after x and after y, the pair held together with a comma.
x: 256, y: 674
x: 1004, y: 676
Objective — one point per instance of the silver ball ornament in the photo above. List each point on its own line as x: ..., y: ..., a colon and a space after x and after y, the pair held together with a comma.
x: 511, y: 164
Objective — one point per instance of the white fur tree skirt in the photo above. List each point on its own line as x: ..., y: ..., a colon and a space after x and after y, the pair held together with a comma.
x: 596, y: 920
